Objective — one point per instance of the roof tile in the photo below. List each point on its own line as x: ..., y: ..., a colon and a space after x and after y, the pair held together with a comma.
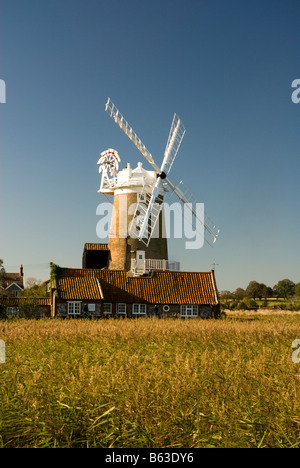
x: 162, y: 287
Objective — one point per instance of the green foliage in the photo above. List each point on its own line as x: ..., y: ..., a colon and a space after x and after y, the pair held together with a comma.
x: 286, y: 292
x: 284, y: 288
x: 247, y: 303
x: 55, y: 272
x: 226, y: 298
x: 297, y: 290
x: 258, y: 290
x: 239, y: 294
x: 2, y: 272
x: 37, y: 290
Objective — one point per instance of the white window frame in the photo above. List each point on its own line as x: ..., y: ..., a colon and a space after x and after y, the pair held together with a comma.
x: 12, y: 311
x: 121, y: 308
x: 74, y: 308
x: 107, y: 308
x: 189, y: 310
x: 139, y: 309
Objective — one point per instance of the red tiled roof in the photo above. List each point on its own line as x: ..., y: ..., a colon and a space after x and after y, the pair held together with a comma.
x: 79, y: 288
x: 162, y: 287
x: 13, y: 278
x: 91, y: 246
x: 18, y: 301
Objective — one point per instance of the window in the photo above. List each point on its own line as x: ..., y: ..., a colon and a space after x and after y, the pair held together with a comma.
x: 139, y: 309
x: 141, y: 197
x: 12, y: 311
x: 107, y: 308
x: 189, y: 311
x: 121, y: 308
x: 74, y: 308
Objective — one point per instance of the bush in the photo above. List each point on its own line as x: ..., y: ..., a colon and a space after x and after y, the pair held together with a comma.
x: 247, y: 304
x: 242, y: 305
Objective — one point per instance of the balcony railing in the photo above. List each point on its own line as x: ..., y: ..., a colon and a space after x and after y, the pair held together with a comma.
x: 145, y: 266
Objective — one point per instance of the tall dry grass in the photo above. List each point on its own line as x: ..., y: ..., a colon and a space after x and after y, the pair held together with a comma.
x: 150, y: 383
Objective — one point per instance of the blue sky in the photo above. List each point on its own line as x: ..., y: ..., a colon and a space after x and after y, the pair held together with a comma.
x: 225, y: 68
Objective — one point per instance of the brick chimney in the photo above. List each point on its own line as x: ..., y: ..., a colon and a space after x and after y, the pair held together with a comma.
x: 21, y: 271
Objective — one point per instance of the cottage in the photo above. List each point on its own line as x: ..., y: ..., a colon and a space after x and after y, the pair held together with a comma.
x: 115, y: 293
x: 11, y: 307
x: 13, y: 284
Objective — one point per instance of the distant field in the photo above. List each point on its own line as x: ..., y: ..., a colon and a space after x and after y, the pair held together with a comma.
x: 151, y: 383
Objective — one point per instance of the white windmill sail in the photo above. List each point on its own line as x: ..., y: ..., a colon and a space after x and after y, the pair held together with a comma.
x: 155, y: 204
x: 185, y: 196
x: 140, y: 229
x: 174, y: 141
x: 147, y: 213
x: 124, y: 125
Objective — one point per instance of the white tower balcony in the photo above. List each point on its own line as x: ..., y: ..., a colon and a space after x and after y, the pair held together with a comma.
x: 145, y: 266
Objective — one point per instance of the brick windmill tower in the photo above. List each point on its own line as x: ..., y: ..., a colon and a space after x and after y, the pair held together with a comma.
x: 137, y: 240
x: 131, y: 189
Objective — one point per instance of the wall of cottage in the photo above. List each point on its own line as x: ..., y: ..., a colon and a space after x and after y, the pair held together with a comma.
x: 107, y: 310
x: 24, y: 311
x: 62, y: 308
x: 13, y: 291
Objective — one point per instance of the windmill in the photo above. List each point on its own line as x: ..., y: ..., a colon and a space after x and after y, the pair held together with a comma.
x: 149, y: 207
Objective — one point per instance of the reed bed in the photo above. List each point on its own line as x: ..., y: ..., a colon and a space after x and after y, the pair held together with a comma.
x: 150, y: 383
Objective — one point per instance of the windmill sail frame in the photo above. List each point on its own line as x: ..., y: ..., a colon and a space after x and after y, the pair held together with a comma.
x: 143, y: 213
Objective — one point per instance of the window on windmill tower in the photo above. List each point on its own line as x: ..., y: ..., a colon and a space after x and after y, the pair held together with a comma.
x: 141, y: 197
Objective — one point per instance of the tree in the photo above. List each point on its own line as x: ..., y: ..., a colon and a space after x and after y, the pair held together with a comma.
x: 297, y: 290
x: 253, y: 289
x: 239, y: 294
x: 2, y: 273
x: 284, y: 288
x: 257, y: 290
x: 269, y: 292
x: 262, y: 291
x: 226, y: 297
x: 34, y: 288
x: 33, y: 283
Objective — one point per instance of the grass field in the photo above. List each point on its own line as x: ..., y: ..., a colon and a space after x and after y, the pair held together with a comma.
x: 150, y: 383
